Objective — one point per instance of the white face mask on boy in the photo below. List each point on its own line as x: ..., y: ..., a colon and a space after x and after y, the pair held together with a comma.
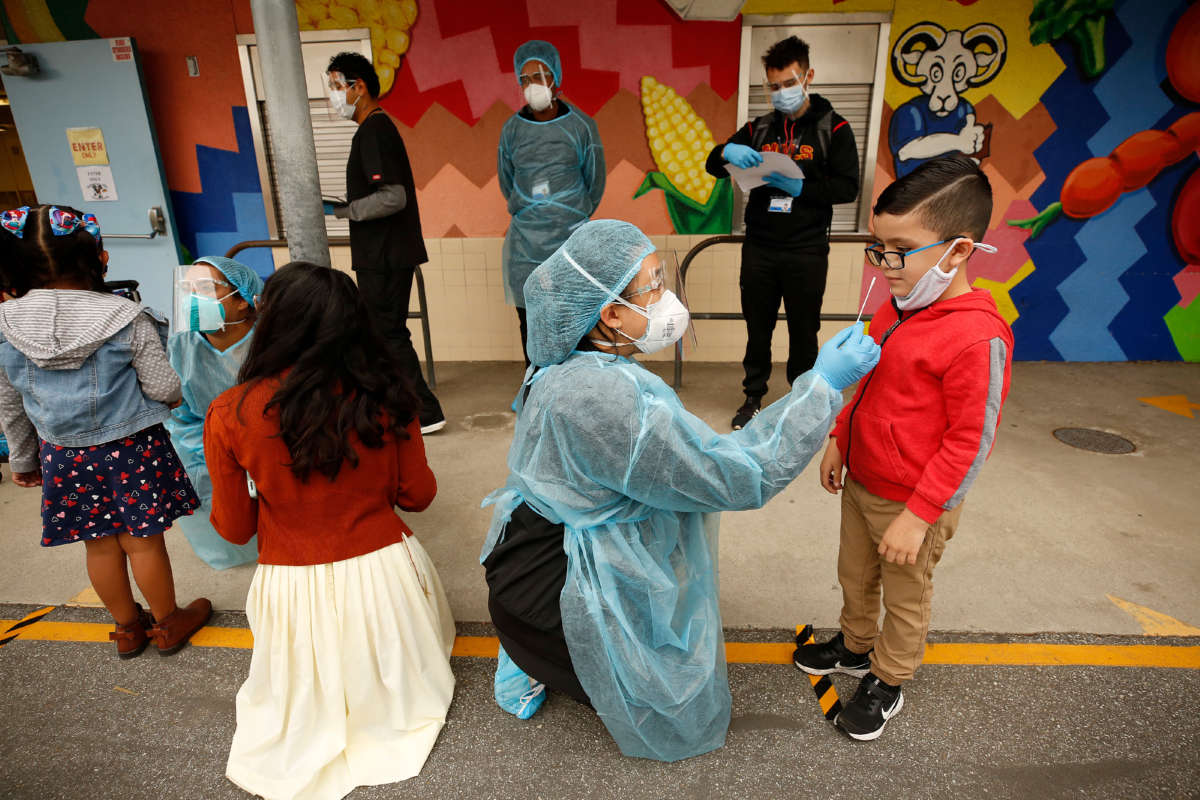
x: 930, y: 286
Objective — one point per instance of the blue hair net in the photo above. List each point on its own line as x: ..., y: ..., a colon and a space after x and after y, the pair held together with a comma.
x: 563, y: 302
x: 537, y: 50
x: 244, y: 280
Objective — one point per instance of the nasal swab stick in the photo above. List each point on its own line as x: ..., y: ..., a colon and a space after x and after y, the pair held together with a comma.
x: 865, y: 299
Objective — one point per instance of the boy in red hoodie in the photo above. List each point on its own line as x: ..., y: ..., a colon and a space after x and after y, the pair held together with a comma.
x: 916, y: 434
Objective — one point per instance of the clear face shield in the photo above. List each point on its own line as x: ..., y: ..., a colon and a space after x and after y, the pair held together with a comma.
x: 200, y: 294
x: 661, y: 299
x: 336, y: 87
x: 537, y: 86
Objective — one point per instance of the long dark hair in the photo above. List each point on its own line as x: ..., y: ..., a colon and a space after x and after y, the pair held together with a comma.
x: 342, y: 378
x: 39, y: 258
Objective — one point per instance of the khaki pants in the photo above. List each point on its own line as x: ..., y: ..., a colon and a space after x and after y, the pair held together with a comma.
x: 907, y: 589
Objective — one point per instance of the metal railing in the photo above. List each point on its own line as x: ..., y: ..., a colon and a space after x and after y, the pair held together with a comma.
x: 685, y: 265
x: 422, y: 312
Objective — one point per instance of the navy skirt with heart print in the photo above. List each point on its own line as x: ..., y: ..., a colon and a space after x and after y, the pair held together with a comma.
x: 133, y: 485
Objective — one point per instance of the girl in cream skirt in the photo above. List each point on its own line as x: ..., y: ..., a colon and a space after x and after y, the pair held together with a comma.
x: 350, y: 679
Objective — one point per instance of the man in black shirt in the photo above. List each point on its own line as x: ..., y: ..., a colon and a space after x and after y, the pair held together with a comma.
x: 385, y: 226
x: 786, y: 252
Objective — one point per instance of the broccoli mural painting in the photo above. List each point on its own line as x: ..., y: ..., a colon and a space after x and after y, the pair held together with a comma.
x: 1081, y: 22
x: 943, y: 64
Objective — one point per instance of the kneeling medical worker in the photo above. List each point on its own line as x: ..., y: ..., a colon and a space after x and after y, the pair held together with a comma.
x: 215, y: 299
x: 601, y: 559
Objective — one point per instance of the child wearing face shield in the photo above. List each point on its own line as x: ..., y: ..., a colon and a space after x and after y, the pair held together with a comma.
x: 916, y: 434
x: 216, y: 300
x: 551, y: 169
x: 601, y: 560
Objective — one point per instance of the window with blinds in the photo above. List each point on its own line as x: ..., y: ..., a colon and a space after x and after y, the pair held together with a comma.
x: 853, y: 102
x: 331, y: 134
x: 847, y: 62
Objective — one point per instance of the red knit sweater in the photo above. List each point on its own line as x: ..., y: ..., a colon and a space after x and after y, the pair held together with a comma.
x: 923, y: 422
x: 319, y: 521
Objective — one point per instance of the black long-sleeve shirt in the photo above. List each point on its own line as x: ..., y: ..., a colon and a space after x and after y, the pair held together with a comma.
x: 829, y: 178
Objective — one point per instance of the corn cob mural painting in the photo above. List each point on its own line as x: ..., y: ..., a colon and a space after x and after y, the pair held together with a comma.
x: 390, y: 23
x: 680, y: 142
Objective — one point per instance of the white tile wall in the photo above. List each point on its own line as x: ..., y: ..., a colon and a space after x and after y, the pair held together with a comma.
x: 471, y: 322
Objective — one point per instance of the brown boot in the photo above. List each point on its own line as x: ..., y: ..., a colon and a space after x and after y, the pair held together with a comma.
x: 131, y: 639
x: 173, y: 632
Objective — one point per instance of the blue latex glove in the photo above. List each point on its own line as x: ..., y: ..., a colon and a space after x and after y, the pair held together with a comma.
x: 792, y: 186
x: 328, y: 208
x: 847, y: 357
x: 741, y: 156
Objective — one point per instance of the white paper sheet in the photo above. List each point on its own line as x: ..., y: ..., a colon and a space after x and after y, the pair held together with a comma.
x: 748, y: 179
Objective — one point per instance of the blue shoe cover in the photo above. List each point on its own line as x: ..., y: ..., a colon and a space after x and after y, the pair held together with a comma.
x: 516, y: 692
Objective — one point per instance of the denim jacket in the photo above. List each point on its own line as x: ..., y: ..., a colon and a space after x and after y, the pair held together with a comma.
x: 84, y: 369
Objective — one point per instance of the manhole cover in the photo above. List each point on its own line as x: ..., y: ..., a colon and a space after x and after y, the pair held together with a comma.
x: 1095, y: 441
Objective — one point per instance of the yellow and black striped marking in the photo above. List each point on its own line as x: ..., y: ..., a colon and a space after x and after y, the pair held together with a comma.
x: 827, y: 695
x: 14, y: 630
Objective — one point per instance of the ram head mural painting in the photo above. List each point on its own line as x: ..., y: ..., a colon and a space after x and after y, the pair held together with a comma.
x: 943, y: 64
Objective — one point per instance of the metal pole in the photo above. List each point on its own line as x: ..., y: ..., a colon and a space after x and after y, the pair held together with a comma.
x: 277, y: 35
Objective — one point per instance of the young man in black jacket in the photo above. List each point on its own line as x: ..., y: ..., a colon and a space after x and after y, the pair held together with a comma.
x: 786, y: 252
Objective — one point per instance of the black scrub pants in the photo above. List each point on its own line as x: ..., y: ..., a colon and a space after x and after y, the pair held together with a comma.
x: 387, y: 293
x: 523, y: 322
x: 768, y: 276
x: 525, y: 573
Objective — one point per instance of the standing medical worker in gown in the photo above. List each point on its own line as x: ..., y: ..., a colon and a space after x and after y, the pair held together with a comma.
x: 601, y: 559
x: 551, y: 168
x: 215, y: 317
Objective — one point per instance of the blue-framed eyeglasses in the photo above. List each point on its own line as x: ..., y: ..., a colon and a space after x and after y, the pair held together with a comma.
x: 893, y: 259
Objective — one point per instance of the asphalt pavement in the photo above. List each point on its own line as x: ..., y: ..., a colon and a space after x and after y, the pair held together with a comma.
x: 79, y: 723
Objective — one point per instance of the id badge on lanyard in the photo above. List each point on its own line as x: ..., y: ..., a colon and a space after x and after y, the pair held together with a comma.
x: 781, y: 205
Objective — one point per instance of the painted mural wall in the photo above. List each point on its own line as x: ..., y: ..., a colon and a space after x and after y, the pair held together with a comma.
x: 1083, y: 113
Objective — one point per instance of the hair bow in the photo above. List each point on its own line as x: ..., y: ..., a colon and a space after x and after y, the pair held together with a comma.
x: 64, y: 223
x: 13, y: 221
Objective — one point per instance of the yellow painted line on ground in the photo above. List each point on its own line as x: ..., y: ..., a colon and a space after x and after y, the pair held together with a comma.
x: 955, y: 653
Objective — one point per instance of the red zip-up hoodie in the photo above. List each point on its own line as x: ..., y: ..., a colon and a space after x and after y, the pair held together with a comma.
x: 924, y: 421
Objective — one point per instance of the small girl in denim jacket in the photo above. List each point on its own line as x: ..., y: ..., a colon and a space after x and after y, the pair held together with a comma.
x: 85, y: 387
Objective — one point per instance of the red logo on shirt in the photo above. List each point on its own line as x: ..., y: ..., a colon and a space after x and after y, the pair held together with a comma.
x: 805, y: 153
x: 377, y: 177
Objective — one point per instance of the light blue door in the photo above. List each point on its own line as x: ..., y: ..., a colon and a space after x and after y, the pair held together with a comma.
x: 98, y: 84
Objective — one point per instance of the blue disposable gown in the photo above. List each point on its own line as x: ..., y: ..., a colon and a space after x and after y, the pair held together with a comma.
x: 552, y: 175
x: 204, y: 372
x: 605, y: 447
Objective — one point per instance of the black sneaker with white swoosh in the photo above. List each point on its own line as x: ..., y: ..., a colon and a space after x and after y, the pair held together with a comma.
x: 832, y: 656
x: 875, y: 702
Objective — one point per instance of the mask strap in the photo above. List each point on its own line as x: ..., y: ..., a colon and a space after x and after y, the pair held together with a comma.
x: 987, y: 248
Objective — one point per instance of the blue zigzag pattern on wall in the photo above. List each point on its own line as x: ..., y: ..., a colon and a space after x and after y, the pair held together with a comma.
x: 1140, y: 328
x: 1077, y: 113
x: 229, y: 207
x: 1128, y: 90
x: 1093, y: 292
